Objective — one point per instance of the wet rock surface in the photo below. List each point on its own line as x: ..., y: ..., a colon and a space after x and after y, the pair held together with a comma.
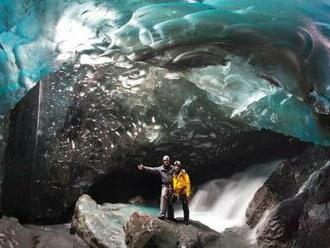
x: 146, y: 231
x: 293, y: 203
x: 14, y: 235
x: 84, y: 128
x: 101, y: 226
x: 285, y: 181
x: 281, y: 224
x: 94, y: 225
x: 238, y: 237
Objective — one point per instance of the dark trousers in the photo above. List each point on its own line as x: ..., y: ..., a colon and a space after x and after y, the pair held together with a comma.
x: 184, y: 201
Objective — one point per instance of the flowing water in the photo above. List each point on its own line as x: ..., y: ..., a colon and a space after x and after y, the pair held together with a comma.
x: 222, y: 203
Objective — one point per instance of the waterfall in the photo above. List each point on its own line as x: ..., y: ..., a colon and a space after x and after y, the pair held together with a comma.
x: 221, y: 203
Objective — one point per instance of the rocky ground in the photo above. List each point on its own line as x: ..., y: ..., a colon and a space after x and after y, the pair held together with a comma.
x: 15, y: 235
x: 121, y: 225
x: 146, y: 231
x: 109, y: 225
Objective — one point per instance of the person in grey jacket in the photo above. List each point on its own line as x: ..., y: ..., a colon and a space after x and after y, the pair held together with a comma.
x: 165, y: 171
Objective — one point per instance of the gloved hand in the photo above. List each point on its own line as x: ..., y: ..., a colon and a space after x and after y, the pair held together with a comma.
x: 174, y: 198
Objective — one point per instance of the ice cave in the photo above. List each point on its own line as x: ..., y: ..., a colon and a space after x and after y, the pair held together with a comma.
x: 237, y: 90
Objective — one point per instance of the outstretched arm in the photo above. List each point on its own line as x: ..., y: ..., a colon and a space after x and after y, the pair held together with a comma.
x: 152, y: 170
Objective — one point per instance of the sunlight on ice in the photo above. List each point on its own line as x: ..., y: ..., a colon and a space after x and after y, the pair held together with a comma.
x: 76, y: 30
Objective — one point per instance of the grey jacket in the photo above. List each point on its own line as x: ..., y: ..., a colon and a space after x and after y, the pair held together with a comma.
x: 166, y: 174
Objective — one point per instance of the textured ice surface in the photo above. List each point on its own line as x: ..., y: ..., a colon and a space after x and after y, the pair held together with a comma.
x: 274, y: 69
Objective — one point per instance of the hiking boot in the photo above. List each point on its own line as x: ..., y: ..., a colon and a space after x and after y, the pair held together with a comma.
x: 171, y: 219
x: 161, y: 217
x: 186, y: 222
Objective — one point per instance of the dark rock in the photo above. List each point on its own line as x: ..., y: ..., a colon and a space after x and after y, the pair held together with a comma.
x: 281, y: 224
x: 314, y: 223
x: 285, y: 182
x: 146, y: 231
x: 3, y: 144
x: 263, y: 199
x: 85, y: 128
x: 14, y: 235
x: 295, y: 213
x: 314, y: 227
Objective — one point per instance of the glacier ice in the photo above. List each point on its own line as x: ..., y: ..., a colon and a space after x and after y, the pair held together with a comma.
x: 267, y: 65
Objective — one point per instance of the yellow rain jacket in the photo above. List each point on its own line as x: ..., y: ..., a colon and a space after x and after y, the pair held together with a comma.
x: 181, y: 184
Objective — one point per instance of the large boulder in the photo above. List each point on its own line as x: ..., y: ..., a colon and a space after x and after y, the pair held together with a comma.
x: 281, y: 224
x: 101, y: 226
x: 85, y: 127
x: 14, y: 235
x: 291, y: 208
x: 285, y: 182
x: 146, y: 231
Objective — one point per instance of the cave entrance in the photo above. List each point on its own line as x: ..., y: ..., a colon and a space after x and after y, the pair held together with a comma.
x: 121, y: 186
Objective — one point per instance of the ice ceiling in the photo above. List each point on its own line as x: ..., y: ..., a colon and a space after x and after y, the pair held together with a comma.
x: 265, y: 62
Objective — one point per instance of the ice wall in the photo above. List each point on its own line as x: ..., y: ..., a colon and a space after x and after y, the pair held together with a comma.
x: 275, y: 59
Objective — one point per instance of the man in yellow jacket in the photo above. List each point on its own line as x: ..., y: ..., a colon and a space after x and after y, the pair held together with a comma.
x: 181, y: 189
